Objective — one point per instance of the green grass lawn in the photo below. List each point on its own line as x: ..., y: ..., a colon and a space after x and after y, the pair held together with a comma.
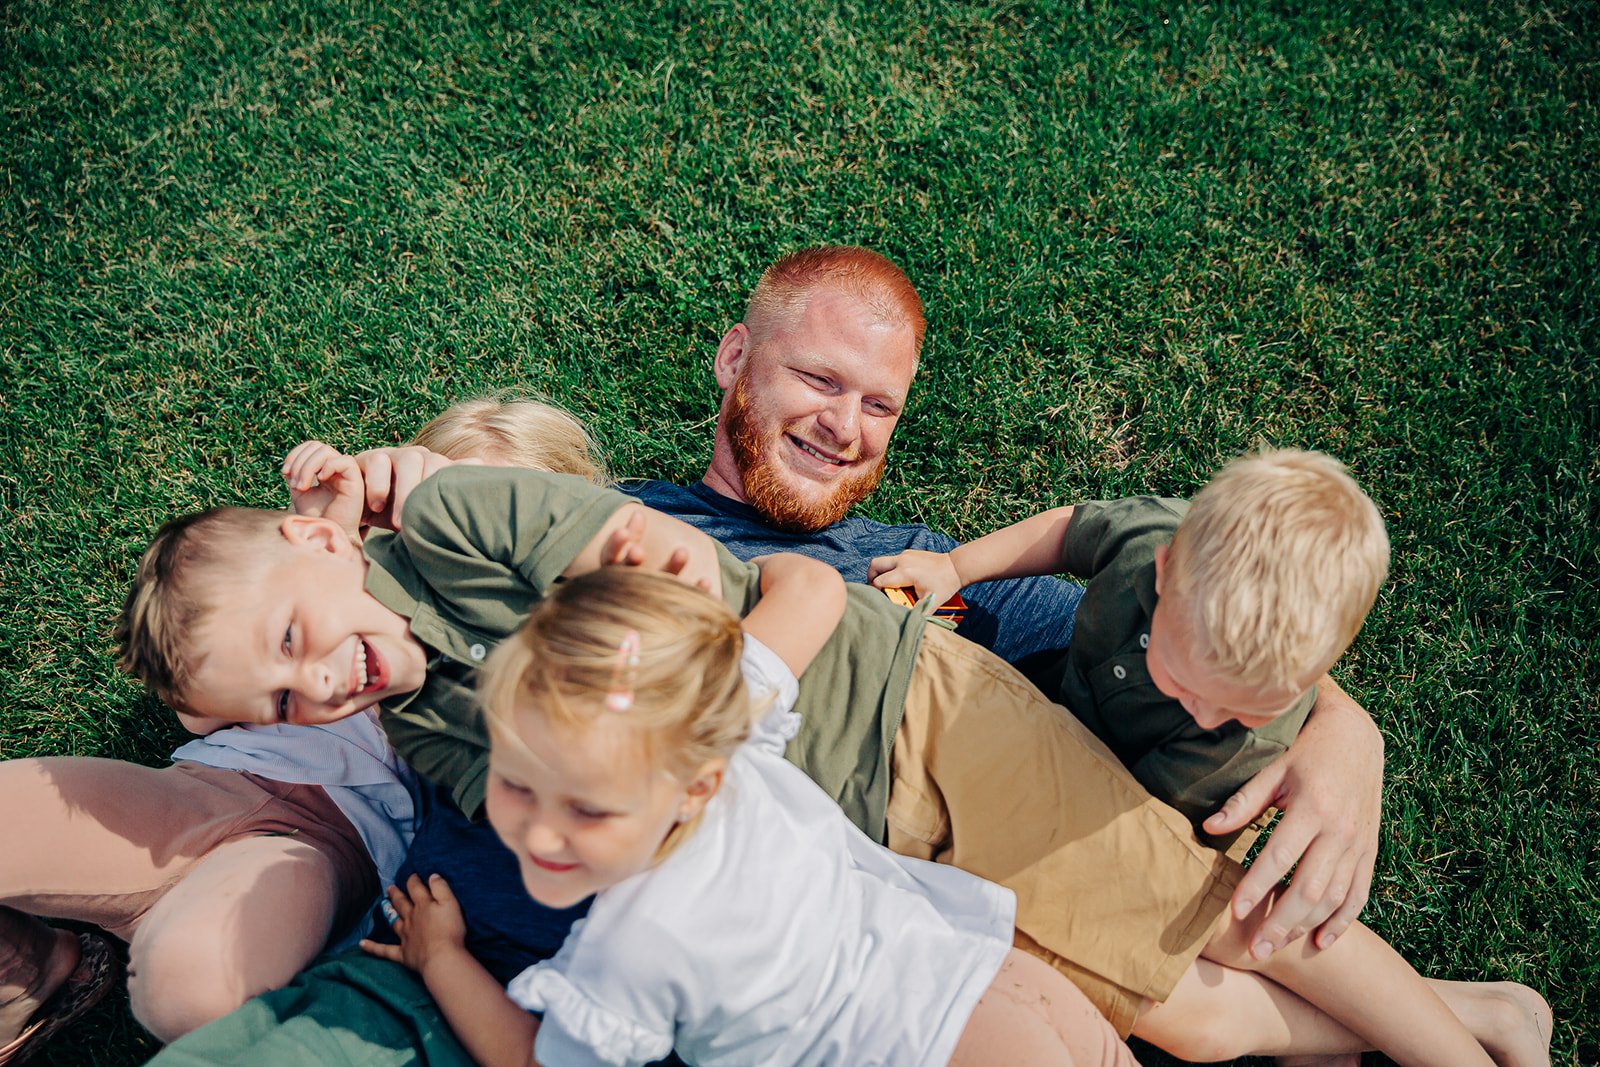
x: 1148, y: 237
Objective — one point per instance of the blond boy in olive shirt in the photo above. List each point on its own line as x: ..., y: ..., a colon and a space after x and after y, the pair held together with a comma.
x: 1197, y: 691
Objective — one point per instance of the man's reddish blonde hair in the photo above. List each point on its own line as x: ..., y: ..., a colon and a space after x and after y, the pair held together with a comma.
x: 849, y: 269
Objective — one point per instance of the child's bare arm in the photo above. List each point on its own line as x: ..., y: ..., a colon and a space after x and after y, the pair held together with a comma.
x: 1030, y: 547
x: 493, y: 1027
x: 802, y: 601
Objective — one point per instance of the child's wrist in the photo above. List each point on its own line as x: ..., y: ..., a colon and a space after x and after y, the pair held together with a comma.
x: 442, y: 959
x: 952, y: 557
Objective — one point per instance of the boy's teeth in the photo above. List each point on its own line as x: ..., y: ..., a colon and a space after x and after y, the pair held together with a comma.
x: 361, y: 654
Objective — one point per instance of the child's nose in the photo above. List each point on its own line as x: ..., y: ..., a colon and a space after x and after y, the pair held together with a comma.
x: 318, y: 682
x: 542, y: 839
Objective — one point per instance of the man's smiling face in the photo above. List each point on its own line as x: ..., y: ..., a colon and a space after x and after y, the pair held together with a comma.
x: 810, y: 408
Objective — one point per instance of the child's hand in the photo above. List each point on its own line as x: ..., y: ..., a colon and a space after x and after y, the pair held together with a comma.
x: 693, y: 561
x: 429, y: 924
x: 390, y: 474
x: 324, y: 482
x: 932, y: 574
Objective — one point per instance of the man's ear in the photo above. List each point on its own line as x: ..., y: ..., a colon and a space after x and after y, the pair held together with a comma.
x: 704, y: 786
x: 1161, y: 565
x: 317, y: 534
x: 730, y: 355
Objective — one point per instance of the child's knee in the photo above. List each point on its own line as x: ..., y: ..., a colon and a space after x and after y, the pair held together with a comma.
x: 182, y: 977
x: 177, y: 983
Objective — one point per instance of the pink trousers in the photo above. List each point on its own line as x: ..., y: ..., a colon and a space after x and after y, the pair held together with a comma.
x: 224, y: 883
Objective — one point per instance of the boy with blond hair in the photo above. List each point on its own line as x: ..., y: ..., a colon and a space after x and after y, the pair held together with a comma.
x: 1202, y: 624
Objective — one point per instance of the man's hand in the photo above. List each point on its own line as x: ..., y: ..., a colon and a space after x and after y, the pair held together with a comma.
x: 390, y: 474
x: 427, y: 920
x: 932, y: 574
x: 637, y: 536
x: 324, y: 482
x: 1330, y: 787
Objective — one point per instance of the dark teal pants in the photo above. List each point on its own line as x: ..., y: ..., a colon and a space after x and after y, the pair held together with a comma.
x: 350, y: 1010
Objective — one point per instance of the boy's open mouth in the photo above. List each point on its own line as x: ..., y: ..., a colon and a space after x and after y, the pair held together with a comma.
x: 369, y: 673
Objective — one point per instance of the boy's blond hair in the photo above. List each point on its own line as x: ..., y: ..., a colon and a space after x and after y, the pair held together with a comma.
x: 190, y: 567
x: 1279, y: 559
x: 516, y: 433
x: 686, y: 693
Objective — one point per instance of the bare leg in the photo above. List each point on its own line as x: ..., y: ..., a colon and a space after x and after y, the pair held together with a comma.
x: 1218, y: 1013
x: 1363, y: 983
x: 245, y: 920
x: 34, y: 960
x: 1032, y: 1014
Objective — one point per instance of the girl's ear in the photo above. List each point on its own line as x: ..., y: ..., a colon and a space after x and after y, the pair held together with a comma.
x: 316, y: 534
x: 702, y: 788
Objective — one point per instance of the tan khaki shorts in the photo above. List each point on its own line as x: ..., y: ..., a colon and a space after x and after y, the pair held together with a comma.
x: 1113, y: 887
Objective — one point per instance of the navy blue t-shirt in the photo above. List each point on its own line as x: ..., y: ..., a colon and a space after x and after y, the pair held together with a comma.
x: 1014, y: 618
x: 507, y: 930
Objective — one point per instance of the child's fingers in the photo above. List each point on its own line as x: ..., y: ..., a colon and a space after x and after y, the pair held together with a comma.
x: 401, y: 900
x: 895, y: 577
x: 296, y: 452
x: 379, y: 474
x: 392, y: 953
x: 442, y: 893
x: 295, y: 468
x: 622, y: 547
x: 878, y: 565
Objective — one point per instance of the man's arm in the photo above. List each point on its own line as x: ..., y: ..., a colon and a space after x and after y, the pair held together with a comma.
x: 1330, y: 787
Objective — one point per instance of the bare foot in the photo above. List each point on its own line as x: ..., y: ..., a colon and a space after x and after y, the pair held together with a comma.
x: 15, y: 1014
x: 1512, y: 1022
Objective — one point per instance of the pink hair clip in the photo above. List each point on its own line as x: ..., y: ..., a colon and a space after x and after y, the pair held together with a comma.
x: 620, y: 698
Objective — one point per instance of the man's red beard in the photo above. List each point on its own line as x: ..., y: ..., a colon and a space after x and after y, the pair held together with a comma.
x: 766, y: 492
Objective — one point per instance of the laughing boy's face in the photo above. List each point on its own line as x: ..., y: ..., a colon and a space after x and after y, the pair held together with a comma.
x: 300, y: 640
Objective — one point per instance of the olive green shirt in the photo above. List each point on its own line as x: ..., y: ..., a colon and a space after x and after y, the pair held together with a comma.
x: 1104, y: 680
x: 482, y: 545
